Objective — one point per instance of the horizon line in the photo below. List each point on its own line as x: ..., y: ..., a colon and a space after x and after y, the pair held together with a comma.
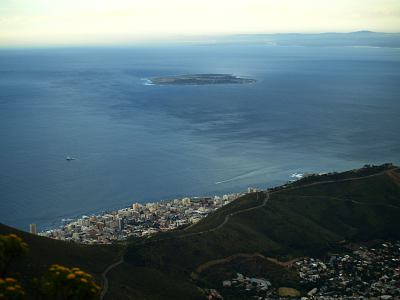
x: 177, y: 39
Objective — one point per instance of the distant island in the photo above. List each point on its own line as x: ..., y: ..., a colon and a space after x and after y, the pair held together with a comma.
x: 200, y: 79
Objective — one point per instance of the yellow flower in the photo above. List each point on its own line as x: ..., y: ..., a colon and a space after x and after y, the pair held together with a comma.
x: 10, y: 280
x: 79, y: 273
x: 83, y: 280
x: 71, y: 276
x: 75, y: 269
x: 11, y: 288
x: 1, y: 281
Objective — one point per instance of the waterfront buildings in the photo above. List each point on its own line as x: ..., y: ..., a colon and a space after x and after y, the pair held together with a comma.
x: 139, y: 220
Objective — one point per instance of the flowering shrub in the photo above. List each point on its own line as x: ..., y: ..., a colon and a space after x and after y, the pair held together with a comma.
x: 10, y: 289
x: 58, y: 283
x: 11, y: 247
x: 68, y: 283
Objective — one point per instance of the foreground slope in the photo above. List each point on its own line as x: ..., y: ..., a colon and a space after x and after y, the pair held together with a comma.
x: 44, y: 252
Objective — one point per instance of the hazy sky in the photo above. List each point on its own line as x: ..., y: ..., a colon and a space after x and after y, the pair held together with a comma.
x: 30, y: 22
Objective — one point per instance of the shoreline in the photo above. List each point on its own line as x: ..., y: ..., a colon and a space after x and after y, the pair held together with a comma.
x: 54, y: 225
x: 198, y: 80
x: 139, y: 219
x: 143, y: 220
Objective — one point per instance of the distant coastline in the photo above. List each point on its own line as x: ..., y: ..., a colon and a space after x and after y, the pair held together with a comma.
x: 199, y: 79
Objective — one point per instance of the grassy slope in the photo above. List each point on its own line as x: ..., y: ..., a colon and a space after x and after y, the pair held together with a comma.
x: 128, y: 282
x: 43, y: 252
x: 304, y: 221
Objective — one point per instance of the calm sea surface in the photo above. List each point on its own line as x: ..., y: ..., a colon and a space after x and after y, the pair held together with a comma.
x: 311, y: 110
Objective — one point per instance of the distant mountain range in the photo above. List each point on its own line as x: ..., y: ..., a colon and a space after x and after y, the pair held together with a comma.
x: 351, y: 39
x: 309, y: 217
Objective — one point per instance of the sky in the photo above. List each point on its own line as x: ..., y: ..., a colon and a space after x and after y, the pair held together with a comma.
x: 64, y: 22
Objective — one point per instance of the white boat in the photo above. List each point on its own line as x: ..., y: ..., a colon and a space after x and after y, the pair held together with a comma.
x: 69, y: 158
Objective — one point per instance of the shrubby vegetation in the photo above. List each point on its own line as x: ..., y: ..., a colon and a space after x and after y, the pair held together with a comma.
x: 306, y: 221
x: 61, y: 282
x: 11, y: 289
x: 11, y: 248
x: 300, y: 220
x: 58, y: 283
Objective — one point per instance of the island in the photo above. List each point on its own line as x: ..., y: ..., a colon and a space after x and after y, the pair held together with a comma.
x: 200, y: 79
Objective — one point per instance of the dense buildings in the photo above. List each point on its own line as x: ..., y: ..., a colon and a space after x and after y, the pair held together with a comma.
x: 139, y: 220
x: 364, y: 272
x: 359, y: 273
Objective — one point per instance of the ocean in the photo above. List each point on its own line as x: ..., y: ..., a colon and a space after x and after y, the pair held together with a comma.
x: 312, y: 109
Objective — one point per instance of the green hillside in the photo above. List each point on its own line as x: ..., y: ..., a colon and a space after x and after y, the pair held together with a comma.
x: 307, y: 219
x: 254, y: 234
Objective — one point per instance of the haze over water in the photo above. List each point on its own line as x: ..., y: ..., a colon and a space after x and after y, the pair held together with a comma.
x: 313, y: 109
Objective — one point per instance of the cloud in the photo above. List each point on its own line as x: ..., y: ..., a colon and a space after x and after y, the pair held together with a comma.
x: 109, y: 21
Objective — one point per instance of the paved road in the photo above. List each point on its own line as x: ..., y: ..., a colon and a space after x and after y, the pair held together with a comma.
x: 242, y: 211
x: 112, y: 266
x: 226, y: 220
x: 227, y: 217
x: 104, y: 275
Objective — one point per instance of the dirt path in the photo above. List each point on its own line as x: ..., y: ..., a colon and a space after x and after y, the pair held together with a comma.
x: 337, y: 180
x: 226, y: 220
x: 212, y: 263
x: 395, y: 176
x: 112, y: 266
x: 347, y: 200
x: 220, y: 261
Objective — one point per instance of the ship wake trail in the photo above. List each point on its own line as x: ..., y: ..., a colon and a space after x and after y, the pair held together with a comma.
x: 241, y: 176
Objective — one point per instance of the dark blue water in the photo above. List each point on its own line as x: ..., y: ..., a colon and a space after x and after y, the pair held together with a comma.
x: 311, y: 110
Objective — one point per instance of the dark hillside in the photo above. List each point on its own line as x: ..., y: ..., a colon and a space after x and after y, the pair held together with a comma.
x: 256, y: 234
x: 297, y: 221
x: 44, y: 252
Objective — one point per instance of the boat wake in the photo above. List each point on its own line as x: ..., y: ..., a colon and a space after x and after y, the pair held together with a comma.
x: 239, y: 177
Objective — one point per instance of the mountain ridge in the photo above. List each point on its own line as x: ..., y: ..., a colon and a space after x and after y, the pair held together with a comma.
x: 308, y: 217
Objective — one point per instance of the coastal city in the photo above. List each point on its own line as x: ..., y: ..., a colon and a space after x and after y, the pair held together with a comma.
x: 139, y: 220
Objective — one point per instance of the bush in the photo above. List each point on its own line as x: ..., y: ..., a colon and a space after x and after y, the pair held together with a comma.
x: 67, y: 283
x: 10, y: 289
x: 11, y: 247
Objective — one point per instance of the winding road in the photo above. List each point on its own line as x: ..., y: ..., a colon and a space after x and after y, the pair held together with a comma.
x: 227, y: 217
x: 104, y: 275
